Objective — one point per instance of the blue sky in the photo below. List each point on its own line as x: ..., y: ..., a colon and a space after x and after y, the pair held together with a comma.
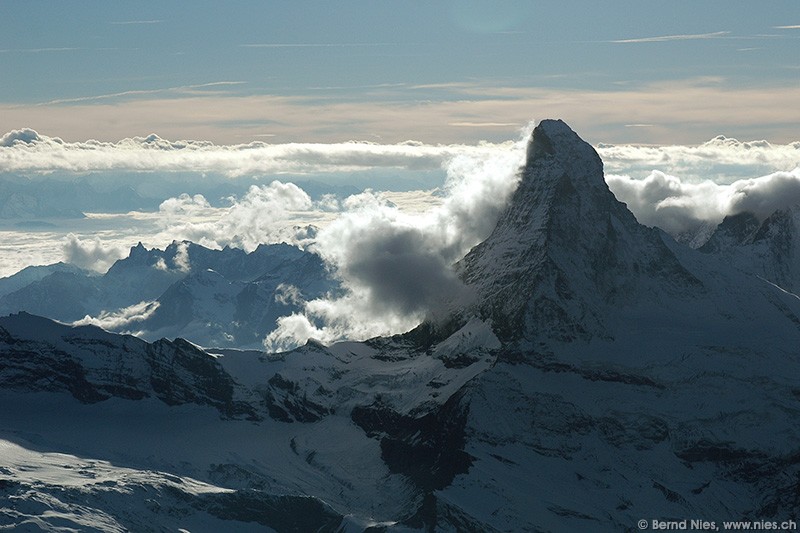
x: 232, y: 72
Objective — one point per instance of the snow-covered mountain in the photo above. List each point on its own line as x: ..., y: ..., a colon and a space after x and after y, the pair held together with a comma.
x: 602, y: 374
x: 214, y: 297
x: 566, y: 253
x: 223, y: 308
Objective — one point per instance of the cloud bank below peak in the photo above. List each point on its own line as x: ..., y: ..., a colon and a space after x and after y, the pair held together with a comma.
x: 721, y: 159
x: 26, y: 151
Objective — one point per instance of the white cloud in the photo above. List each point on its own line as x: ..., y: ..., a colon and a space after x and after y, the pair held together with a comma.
x: 27, y: 151
x: 762, y: 196
x: 722, y: 159
x: 264, y: 214
x: 181, y: 259
x: 668, y: 38
x: 678, y: 188
x: 183, y: 89
x: 184, y: 206
x: 288, y: 294
x: 676, y: 205
x: 133, y: 22
x: 23, y: 136
x: 124, y: 319
x: 90, y: 254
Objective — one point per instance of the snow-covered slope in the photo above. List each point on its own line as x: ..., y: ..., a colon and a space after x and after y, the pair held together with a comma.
x: 296, y: 442
x: 228, y: 309
x: 602, y: 375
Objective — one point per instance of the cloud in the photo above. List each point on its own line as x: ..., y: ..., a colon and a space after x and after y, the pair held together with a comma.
x: 41, y: 50
x: 124, y: 319
x: 90, y: 254
x: 395, y: 267
x: 133, y: 22
x: 27, y: 151
x: 399, y: 262
x: 484, y: 124
x: 183, y: 89
x: 264, y: 214
x: 668, y: 38
x: 762, y: 196
x: 179, y: 209
x: 677, y: 206
x: 181, y: 259
x: 288, y: 295
x: 24, y: 136
x: 669, y: 203
x: 374, y: 241
x: 722, y: 159
x: 317, y: 45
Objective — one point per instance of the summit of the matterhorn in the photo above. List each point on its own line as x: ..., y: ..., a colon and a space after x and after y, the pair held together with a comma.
x: 564, y: 248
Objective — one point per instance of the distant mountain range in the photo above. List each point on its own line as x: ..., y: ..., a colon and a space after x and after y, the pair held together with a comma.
x: 602, y: 374
x: 225, y: 298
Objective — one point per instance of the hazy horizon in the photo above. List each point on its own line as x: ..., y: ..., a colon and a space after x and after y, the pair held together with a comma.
x: 451, y: 72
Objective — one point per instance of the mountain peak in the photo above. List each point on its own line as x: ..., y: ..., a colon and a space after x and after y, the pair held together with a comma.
x: 554, y: 144
x: 549, y: 135
x: 564, y: 248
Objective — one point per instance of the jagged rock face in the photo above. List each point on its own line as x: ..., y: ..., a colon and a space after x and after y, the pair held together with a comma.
x: 735, y: 230
x: 769, y: 248
x: 565, y: 248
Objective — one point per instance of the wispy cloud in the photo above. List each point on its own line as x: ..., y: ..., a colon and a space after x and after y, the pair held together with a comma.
x: 668, y: 38
x: 130, y: 22
x: 141, y: 92
x: 41, y: 50
x: 314, y: 45
x: 484, y: 124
